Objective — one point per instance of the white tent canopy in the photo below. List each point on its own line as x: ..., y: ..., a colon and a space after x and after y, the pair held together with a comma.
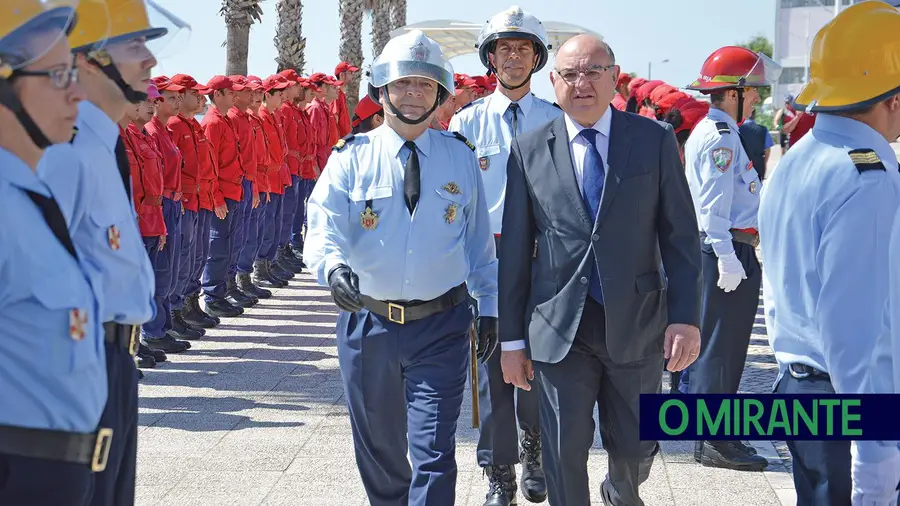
x: 459, y: 37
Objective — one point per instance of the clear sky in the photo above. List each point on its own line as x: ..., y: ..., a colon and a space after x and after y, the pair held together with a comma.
x: 639, y: 31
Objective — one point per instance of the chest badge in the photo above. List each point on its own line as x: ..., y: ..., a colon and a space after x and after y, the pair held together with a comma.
x: 77, y: 323
x: 452, y: 188
x: 484, y: 162
x: 752, y: 186
x: 114, y: 237
x: 722, y: 158
x: 450, y: 214
x: 368, y: 219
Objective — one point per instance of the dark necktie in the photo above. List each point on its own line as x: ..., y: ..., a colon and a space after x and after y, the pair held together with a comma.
x: 55, y: 220
x: 591, y: 192
x: 411, y: 177
x: 124, y: 167
x: 514, y: 108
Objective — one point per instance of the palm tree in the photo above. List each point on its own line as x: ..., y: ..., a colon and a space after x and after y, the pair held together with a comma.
x: 398, y: 14
x: 351, y: 14
x: 239, y: 15
x: 289, y: 38
x: 381, y: 24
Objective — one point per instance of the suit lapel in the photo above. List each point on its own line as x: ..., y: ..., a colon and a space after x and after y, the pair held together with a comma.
x: 617, y: 158
x: 558, y: 142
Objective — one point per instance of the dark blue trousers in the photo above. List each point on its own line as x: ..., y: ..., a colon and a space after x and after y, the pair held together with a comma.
x: 115, y: 485
x: 306, y: 187
x: 418, y: 369
x: 186, y: 259
x: 288, y: 211
x: 221, y: 237
x: 271, y: 230
x: 38, y: 482
x: 241, y: 232
x: 165, y: 267
x: 253, y: 221
x: 200, y: 250
x: 727, y: 322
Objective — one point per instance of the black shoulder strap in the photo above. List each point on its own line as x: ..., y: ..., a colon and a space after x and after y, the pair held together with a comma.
x: 866, y: 159
x: 74, y: 134
x: 123, y: 165
x: 55, y: 220
x: 343, y: 142
x: 556, y: 105
x: 723, y: 127
x: 463, y: 138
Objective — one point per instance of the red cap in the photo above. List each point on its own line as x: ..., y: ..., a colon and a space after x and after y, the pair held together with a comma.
x: 691, y: 114
x: 318, y: 78
x: 254, y: 83
x: 290, y: 75
x: 239, y: 83
x: 345, y: 67
x: 366, y: 108
x: 661, y: 91
x: 644, y: 91
x: 624, y: 79
x: 163, y: 83
x: 221, y: 83
x: 275, y: 82
x: 189, y: 83
x: 635, y: 83
x: 333, y: 81
x: 667, y: 103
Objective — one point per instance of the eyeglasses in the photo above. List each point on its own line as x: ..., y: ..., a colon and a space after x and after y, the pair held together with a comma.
x: 593, y: 73
x: 61, y: 78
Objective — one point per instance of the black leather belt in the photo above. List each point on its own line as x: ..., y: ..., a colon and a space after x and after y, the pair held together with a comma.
x: 745, y: 237
x: 802, y: 371
x: 72, y: 447
x: 125, y: 336
x: 409, y: 311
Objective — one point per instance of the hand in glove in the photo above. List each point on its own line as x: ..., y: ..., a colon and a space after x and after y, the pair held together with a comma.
x: 345, y: 289
x: 731, y: 272
x: 487, y: 337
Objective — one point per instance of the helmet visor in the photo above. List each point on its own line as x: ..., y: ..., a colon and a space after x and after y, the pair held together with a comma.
x: 764, y: 73
x: 140, y: 30
x: 384, y: 73
x: 39, y: 27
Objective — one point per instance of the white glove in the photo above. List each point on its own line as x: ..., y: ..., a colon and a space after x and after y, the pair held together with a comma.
x: 731, y: 272
x: 874, y: 483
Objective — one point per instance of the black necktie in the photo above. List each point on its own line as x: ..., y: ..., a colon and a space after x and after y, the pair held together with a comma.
x: 514, y: 107
x: 55, y: 220
x: 411, y: 182
x: 124, y: 167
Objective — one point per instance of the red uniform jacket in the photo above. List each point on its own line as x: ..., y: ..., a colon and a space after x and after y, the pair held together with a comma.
x: 342, y: 113
x: 261, y: 148
x: 319, y: 114
x: 290, y: 123
x: 210, y: 195
x: 274, y: 137
x: 226, y: 151
x: 619, y: 102
x: 186, y: 140
x: 172, y: 159
x: 241, y: 122
x: 146, y: 180
x: 310, y: 150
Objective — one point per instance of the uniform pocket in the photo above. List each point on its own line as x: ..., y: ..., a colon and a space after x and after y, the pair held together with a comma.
x: 369, y: 204
x: 69, y: 340
x: 749, y: 176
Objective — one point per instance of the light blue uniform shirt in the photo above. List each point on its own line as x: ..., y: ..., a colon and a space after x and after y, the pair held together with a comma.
x: 103, y: 223
x: 52, y: 359
x: 487, y: 123
x: 824, y: 230
x: 446, y: 242
x: 724, y: 185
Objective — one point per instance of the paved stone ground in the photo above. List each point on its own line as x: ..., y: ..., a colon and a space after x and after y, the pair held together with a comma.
x: 254, y: 414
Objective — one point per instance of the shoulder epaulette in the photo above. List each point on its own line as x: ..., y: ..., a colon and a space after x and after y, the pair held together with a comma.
x: 556, y: 105
x: 866, y: 159
x: 343, y: 142
x: 463, y: 138
x: 74, y: 133
x: 470, y: 104
x: 723, y: 127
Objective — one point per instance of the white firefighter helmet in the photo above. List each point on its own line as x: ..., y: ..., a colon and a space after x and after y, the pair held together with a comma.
x: 411, y: 54
x: 513, y: 23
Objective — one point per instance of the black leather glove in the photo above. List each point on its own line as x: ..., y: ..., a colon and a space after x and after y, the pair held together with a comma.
x: 487, y: 337
x: 345, y: 289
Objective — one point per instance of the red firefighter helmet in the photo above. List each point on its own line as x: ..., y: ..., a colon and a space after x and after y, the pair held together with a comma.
x: 735, y: 67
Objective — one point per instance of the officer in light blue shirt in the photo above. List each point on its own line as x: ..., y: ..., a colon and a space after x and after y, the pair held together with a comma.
x: 725, y: 188
x: 53, y: 384
x: 825, y: 222
x: 399, y: 229
x: 513, y: 45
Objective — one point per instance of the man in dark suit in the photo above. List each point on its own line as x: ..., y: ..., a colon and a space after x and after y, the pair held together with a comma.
x: 596, y: 204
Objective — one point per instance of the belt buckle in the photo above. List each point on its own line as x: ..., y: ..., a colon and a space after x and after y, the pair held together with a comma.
x: 400, y: 310
x: 797, y: 374
x: 101, y: 450
x: 133, y: 340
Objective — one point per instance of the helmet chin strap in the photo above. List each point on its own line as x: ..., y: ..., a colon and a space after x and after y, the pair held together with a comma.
x: 396, y: 112
x: 9, y: 99
x: 103, y: 61
x: 492, y: 69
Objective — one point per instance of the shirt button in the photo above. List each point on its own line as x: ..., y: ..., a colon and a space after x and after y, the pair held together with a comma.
x: 583, y: 280
x: 595, y: 237
x: 407, y: 281
x: 410, y: 252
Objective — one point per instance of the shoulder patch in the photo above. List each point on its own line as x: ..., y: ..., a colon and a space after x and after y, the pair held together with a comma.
x: 74, y: 133
x: 723, y: 127
x: 343, y: 142
x: 722, y: 158
x: 866, y: 159
x: 463, y: 138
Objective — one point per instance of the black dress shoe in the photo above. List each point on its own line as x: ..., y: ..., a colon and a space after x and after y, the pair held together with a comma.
x: 146, y: 362
x: 533, y: 482
x: 223, y: 308
x: 501, y: 486
x: 728, y: 455
x: 159, y: 356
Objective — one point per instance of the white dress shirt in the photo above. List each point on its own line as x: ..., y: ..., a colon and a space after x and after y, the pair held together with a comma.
x: 578, y: 146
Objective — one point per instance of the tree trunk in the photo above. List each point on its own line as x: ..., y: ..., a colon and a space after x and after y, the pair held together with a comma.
x: 351, y: 14
x: 237, y: 45
x: 398, y: 14
x: 381, y: 26
x: 289, y: 40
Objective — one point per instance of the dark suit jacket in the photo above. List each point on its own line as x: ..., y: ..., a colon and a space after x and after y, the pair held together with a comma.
x: 646, y: 219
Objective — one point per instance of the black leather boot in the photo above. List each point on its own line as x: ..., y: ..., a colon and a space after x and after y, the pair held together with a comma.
x: 278, y: 273
x: 195, y: 316
x: 533, y: 483
x: 262, y: 277
x: 285, y: 269
x: 501, y: 486
x: 181, y: 330
x: 287, y: 260
x: 223, y: 308
x: 235, y: 297
x: 246, y: 286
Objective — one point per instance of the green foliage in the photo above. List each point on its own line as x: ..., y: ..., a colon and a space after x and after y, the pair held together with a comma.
x: 763, y: 45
